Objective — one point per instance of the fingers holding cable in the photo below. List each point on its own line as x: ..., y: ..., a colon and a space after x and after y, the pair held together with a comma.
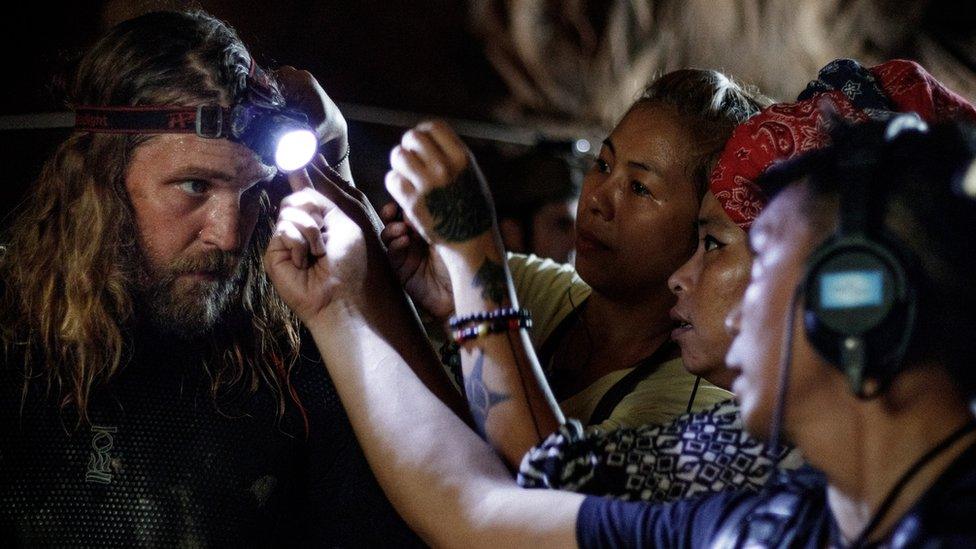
x: 328, y: 182
x: 301, y: 221
x: 352, y: 201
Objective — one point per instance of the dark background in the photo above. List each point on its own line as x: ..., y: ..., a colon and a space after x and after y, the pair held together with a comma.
x: 425, y: 56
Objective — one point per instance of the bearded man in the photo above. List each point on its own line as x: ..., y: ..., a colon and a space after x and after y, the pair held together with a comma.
x: 155, y: 389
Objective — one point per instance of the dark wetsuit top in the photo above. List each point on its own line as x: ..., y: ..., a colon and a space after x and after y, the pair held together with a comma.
x: 160, y: 465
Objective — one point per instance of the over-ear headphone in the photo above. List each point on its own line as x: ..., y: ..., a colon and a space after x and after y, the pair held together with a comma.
x: 860, y: 297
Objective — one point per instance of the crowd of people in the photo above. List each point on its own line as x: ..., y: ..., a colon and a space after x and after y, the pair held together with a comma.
x: 764, y: 340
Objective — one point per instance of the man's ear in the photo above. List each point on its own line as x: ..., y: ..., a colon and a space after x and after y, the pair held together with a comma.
x: 512, y: 234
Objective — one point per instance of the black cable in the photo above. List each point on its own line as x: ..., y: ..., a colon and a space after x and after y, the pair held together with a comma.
x: 694, y: 391
x: 786, y: 360
x: 525, y: 392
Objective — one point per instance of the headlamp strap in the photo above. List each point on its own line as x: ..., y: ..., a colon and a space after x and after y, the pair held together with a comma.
x: 210, y: 121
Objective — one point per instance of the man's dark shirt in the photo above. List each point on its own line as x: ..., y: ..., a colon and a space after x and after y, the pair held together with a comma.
x: 160, y: 464
x: 791, y: 512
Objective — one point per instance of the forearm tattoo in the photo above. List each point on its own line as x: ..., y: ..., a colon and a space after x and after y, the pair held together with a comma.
x: 491, y: 279
x: 481, y: 399
x: 460, y: 210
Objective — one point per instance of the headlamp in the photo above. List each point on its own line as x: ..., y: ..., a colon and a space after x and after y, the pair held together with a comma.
x: 279, y: 135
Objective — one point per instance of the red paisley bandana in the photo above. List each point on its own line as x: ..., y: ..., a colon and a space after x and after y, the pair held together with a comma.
x: 785, y: 130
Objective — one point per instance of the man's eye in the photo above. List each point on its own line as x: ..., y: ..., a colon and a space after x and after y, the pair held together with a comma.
x: 601, y: 165
x: 194, y: 187
x: 640, y: 189
x: 710, y: 243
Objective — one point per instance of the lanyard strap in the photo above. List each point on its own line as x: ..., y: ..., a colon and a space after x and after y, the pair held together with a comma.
x: 889, y: 500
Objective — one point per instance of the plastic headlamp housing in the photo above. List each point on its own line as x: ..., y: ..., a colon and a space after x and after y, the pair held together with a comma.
x: 262, y: 129
x: 258, y: 120
x: 261, y: 122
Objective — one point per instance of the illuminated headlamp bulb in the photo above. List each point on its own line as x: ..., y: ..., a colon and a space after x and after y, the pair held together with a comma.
x: 294, y: 149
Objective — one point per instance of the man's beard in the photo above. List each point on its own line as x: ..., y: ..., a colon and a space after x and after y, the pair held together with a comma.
x: 188, y: 307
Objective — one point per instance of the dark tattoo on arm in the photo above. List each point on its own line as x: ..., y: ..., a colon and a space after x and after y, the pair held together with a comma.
x: 491, y: 279
x: 481, y: 399
x: 460, y: 210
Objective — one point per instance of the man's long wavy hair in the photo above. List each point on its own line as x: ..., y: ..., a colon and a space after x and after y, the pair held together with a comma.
x: 69, y: 270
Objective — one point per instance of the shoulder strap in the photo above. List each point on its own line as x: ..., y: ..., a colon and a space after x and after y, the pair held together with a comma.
x: 548, y: 348
x: 628, y: 383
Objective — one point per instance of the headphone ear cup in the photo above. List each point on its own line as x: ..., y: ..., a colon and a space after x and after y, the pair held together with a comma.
x: 822, y: 340
x: 859, y: 309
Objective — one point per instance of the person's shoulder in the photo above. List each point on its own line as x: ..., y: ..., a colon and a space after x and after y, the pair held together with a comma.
x: 549, y: 290
x: 536, y: 263
x: 532, y: 267
x: 790, y: 511
x: 788, y: 492
x: 689, y: 522
x: 664, y: 394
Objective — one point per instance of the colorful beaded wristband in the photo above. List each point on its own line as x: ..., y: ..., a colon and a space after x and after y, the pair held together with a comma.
x: 493, y: 326
x: 484, y: 316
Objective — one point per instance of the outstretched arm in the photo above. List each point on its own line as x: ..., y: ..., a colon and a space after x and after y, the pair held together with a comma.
x: 445, y: 481
x: 302, y: 91
x: 443, y: 194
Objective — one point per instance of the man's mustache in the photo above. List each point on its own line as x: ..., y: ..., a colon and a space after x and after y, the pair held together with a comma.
x: 217, y: 263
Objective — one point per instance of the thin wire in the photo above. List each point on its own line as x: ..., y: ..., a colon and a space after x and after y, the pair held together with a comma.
x: 525, y: 392
x: 910, y: 473
x: 694, y: 391
x: 786, y: 360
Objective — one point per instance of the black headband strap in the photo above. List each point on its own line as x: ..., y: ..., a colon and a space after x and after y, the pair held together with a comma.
x: 208, y: 121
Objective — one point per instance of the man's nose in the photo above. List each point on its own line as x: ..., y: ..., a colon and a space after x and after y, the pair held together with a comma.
x: 222, y: 228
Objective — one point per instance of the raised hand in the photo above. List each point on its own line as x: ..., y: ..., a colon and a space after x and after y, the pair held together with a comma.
x: 326, y: 246
x: 303, y: 92
x: 440, y: 188
x: 445, y: 198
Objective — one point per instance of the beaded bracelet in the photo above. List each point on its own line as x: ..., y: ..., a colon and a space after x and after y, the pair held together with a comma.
x: 493, y: 326
x: 335, y: 165
x: 504, y: 313
x: 334, y: 171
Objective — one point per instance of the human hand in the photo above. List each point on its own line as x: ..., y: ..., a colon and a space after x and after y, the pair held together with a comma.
x: 422, y: 273
x: 438, y: 185
x: 322, y: 247
x: 302, y: 92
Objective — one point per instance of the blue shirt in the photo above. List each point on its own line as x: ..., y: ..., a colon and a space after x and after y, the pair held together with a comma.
x: 791, y: 512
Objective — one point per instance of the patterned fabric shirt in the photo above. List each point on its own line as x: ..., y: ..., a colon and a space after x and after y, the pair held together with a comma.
x: 696, y: 453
